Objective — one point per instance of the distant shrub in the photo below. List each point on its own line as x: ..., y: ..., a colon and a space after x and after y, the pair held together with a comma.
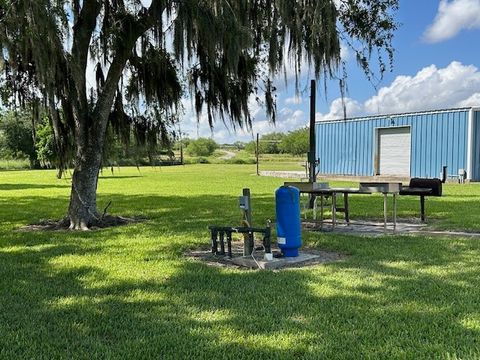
x: 16, y: 137
x: 201, y: 147
x: 202, y: 160
x: 295, y: 142
x: 268, y: 144
x: 196, y: 160
x: 239, y: 161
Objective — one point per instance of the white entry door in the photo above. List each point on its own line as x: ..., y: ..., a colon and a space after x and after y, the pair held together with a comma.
x: 394, y: 151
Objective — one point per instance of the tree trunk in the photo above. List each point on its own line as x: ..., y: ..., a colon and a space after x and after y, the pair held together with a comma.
x: 83, y: 211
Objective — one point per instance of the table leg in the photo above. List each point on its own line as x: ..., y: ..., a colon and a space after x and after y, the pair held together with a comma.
x: 334, y: 210
x: 394, y: 212
x: 385, y: 211
x: 321, y: 211
x: 305, y: 209
x: 315, y: 208
x: 422, y: 208
x: 345, y: 205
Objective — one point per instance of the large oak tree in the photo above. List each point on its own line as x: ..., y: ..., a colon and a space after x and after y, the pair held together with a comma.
x: 146, y: 53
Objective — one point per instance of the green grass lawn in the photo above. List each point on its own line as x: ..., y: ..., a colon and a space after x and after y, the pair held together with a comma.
x: 128, y: 292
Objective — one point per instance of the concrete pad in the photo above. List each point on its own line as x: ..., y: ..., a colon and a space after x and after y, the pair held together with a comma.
x: 375, y: 229
x: 277, y: 263
x: 307, y: 257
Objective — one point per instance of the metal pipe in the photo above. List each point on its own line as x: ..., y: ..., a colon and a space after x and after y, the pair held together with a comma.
x: 251, y: 242
x: 214, y: 241
x: 257, y: 149
x: 422, y: 208
x: 267, y: 244
x: 394, y: 212
x: 385, y: 211
x: 229, y: 244
x: 312, y: 176
x: 312, y: 150
x: 222, y: 243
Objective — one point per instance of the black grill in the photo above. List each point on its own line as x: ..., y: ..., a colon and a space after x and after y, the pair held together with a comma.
x: 422, y: 187
x: 431, y: 187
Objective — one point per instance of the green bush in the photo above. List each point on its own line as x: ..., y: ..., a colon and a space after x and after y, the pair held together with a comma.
x: 196, y: 160
x: 16, y: 137
x: 268, y: 144
x: 240, y: 161
x: 201, y: 147
x: 295, y: 142
x: 45, y: 144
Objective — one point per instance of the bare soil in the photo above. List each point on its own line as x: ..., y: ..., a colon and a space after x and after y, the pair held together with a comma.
x: 63, y: 224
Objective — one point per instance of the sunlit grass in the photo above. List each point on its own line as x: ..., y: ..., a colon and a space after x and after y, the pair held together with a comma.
x: 129, y: 292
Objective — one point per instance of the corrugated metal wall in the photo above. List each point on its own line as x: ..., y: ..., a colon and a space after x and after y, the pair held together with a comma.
x: 476, y: 146
x: 348, y: 147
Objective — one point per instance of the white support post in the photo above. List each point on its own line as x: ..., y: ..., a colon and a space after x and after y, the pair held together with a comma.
x: 470, y: 144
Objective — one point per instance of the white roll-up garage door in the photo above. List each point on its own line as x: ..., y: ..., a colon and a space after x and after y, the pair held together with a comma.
x: 394, y: 149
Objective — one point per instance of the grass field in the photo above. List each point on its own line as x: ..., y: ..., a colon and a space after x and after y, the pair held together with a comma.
x: 128, y: 292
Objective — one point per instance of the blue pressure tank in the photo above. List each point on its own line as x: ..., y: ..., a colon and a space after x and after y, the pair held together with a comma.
x: 287, y: 206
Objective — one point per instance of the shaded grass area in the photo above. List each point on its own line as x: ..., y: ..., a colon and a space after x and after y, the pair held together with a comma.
x: 128, y: 292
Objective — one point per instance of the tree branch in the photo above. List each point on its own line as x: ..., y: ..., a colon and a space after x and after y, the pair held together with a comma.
x: 133, y: 28
x: 82, y: 34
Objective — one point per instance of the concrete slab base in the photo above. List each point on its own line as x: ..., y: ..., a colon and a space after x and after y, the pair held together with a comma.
x: 302, y: 259
x: 366, y: 228
x: 374, y: 229
x: 306, y: 257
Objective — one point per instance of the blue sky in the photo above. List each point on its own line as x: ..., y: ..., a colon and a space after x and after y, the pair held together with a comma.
x: 436, y: 66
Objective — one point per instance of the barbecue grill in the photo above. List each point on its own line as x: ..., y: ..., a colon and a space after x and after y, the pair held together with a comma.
x: 422, y: 187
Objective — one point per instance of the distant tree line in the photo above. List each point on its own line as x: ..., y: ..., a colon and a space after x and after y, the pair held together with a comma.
x: 294, y: 143
x: 24, y: 138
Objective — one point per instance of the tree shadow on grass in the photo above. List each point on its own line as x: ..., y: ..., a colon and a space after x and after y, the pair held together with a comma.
x: 25, y: 186
x: 174, y: 215
x: 172, y: 308
x: 119, y: 177
x: 448, y: 212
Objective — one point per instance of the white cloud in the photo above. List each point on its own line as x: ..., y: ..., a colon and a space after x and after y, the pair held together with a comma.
x: 345, y: 53
x: 287, y: 119
x: 473, y: 100
x: 353, y: 108
x: 430, y: 88
x: 456, y: 85
x: 294, y: 100
x: 452, y: 17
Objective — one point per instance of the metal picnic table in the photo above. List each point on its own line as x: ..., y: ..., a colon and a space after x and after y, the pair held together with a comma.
x: 321, y: 193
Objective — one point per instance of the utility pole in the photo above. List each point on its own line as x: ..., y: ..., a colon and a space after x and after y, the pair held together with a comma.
x: 257, y: 150
x: 181, y: 153
x: 312, y: 162
x: 312, y: 151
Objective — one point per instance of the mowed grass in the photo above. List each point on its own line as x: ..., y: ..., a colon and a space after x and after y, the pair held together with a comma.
x: 129, y: 292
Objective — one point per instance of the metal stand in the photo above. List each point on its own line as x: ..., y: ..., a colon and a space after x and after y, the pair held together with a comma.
x: 218, y: 236
x: 385, y: 211
x: 321, y: 211
x: 334, y: 210
x: 422, y: 208
x: 246, y: 206
x: 394, y: 212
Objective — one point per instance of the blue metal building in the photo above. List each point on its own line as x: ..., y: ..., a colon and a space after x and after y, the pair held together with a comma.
x: 409, y: 145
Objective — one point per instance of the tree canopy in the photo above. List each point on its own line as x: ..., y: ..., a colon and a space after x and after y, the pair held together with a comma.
x: 144, y: 54
x: 201, y: 147
x: 296, y: 142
